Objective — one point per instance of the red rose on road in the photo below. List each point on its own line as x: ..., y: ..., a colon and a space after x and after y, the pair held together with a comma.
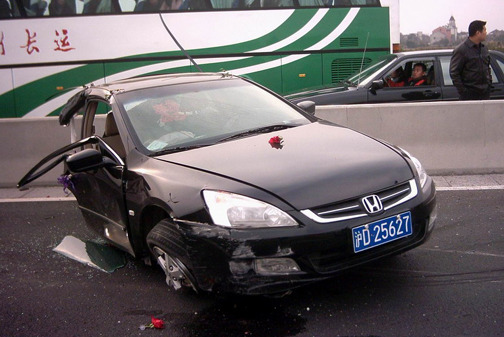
x: 157, y: 323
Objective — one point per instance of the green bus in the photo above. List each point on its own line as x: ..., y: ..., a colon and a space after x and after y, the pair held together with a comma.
x: 48, y: 51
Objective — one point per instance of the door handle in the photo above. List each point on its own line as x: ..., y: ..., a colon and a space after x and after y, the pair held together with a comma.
x: 431, y: 94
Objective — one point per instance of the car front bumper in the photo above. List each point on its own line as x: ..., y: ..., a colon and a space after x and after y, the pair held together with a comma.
x: 269, y: 261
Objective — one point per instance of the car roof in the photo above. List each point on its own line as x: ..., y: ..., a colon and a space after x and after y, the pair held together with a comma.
x: 434, y: 52
x: 424, y: 52
x: 76, y: 102
x: 161, y: 80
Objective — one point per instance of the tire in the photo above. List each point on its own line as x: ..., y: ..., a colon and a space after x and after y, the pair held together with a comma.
x: 169, y: 250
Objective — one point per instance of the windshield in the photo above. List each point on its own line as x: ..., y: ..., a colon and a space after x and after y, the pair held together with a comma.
x: 363, y: 77
x: 176, y: 117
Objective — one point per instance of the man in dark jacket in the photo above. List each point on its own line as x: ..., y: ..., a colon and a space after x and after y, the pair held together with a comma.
x: 470, y: 65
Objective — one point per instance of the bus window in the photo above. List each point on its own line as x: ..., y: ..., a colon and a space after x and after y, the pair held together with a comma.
x: 62, y: 7
x: 251, y: 4
x: 224, y: 4
x: 101, y: 6
x: 155, y: 6
x: 33, y: 8
x: 352, y: 3
x: 277, y: 3
x: 5, y: 10
x: 26, y: 8
x: 312, y: 3
x: 128, y: 6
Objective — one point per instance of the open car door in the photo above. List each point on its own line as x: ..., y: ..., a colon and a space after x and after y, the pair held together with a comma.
x: 95, y: 174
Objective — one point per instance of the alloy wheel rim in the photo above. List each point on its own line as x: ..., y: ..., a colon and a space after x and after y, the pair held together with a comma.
x: 177, y: 275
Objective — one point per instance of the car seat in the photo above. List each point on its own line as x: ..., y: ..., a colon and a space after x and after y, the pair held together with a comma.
x: 431, y: 79
x: 111, y: 135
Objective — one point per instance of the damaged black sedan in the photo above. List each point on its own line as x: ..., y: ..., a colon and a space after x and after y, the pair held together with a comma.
x: 231, y: 188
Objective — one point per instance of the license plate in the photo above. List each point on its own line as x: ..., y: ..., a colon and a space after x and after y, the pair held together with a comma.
x: 381, y: 232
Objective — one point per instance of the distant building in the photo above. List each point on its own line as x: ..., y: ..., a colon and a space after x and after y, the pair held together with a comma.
x: 440, y: 34
x: 447, y: 37
x: 453, y: 28
x: 447, y: 34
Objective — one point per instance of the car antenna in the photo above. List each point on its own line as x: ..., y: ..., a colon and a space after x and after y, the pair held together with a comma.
x: 363, y: 55
x: 178, y: 44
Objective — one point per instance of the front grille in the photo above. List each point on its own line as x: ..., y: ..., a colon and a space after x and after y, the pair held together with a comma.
x: 353, y: 208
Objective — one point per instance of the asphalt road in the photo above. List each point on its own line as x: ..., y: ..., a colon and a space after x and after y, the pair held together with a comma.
x: 451, y: 286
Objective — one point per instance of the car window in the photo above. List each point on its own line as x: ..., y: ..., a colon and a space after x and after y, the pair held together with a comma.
x: 500, y: 64
x: 495, y: 79
x: 370, y: 71
x: 445, y: 67
x: 199, y: 113
x: 402, y: 74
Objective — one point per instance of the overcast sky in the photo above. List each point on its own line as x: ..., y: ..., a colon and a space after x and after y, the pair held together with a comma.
x: 427, y: 15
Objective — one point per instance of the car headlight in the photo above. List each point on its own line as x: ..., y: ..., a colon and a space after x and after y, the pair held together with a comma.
x: 422, y: 175
x: 421, y: 171
x: 237, y: 211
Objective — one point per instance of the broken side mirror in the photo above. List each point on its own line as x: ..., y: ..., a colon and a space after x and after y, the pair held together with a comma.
x: 376, y: 85
x: 307, y: 106
x: 87, y: 160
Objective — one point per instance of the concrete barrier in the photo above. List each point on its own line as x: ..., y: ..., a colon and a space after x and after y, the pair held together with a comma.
x: 25, y: 141
x: 447, y: 137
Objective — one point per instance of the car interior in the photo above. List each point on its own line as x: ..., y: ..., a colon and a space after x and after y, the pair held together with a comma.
x: 111, y: 135
x: 404, y: 72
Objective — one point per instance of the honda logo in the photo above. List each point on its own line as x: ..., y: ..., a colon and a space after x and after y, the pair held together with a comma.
x: 372, y: 204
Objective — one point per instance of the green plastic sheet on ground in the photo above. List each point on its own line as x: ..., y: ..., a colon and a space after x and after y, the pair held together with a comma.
x: 94, y: 254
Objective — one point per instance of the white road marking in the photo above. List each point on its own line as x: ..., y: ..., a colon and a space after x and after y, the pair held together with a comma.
x: 21, y: 199
x: 470, y: 188
x: 464, y: 252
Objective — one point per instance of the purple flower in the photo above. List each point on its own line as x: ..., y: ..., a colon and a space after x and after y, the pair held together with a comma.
x: 66, y: 181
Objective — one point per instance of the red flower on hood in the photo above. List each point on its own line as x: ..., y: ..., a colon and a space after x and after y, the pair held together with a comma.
x: 277, y: 140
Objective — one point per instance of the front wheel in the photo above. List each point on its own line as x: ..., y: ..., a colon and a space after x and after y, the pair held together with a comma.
x: 168, y: 248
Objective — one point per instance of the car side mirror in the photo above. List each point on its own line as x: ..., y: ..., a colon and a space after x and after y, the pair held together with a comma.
x: 376, y: 85
x: 87, y: 160
x: 307, y: 106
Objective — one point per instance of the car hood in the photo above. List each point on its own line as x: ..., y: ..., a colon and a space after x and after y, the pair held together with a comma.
x: 305, y: 95
x: 316, y: 164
